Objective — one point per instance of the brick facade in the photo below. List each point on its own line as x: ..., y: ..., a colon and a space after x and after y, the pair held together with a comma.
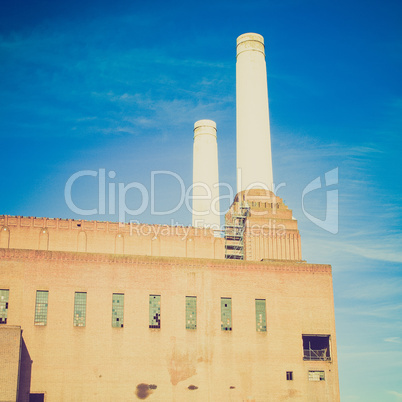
x: 99, y: 362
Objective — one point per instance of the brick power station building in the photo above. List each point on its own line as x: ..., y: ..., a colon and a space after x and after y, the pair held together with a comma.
x: 105, y: 311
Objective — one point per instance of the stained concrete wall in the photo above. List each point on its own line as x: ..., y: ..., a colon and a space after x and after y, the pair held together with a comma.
x: 101, y: 363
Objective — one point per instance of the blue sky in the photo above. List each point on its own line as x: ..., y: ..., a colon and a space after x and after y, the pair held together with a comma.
x: 118, y: 86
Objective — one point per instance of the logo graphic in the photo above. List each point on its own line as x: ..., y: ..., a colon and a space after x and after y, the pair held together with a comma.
x: 330, y: 223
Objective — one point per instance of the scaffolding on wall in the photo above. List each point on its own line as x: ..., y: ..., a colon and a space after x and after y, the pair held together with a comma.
x: 311, y: 354
x: 316, y: 347
x: 234, y: 233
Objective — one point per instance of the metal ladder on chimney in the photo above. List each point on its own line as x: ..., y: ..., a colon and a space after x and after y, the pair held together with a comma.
x: 234, y: 233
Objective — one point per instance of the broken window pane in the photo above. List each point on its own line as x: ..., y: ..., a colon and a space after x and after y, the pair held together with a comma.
x: 316, y: 347
x: 154, y: 311
x: 260, y: 315
x: 80, y: 309
x: 316, y: 375
x: 3, y: 305
x: 117, y: 310
x: 191, y: 312
x: 226, y: 314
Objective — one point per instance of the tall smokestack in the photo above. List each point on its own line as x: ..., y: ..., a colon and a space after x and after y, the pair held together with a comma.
x: 254, y: 160
x: 205, y: 175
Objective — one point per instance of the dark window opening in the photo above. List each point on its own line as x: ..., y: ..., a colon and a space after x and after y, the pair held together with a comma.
x: 36, y: 397
x: 289, y: 375
x: 316, y: 347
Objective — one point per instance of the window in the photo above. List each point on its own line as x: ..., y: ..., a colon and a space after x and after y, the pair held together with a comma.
x: 3, y: 305
x: 316, y: 375
x: 191, y: 312
x: 289, y: 375
x: 226, y: 313
x: 80, y: 309
x: 260, y: 315
x: 154, y: 311
x: 36, y: 397
x: 316, y: 347
x: 41, y: 307
x: 117, y: 310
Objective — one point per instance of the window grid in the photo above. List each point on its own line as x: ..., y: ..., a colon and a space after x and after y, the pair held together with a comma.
x: 316, y: 375
x: 260, y: 315
x: 41, y: 307
x: 80, y: 307
x: 191, y: 312
x: 3, y: 305
x: 226, y: 314
x: 289, y: 375
x: 117, y: 310
x: 154, y: 311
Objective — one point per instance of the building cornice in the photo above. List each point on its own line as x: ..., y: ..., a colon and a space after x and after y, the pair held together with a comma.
x: 168, y: 262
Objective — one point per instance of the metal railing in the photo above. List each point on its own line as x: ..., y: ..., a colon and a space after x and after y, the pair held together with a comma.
x: 320, y: 354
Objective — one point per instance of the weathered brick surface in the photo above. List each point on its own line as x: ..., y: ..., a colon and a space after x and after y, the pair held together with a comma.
x: 101, y: 363
x: 10, y: 343
x: 270, y: 231
x: 108, y: 237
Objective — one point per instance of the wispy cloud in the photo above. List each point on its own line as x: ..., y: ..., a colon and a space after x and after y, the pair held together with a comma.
x: 101, y: 86
x: 384, y: 249
x: 368, y: 220
x: 394, y: 339
x: 395, y: 393
x: 372, y: 289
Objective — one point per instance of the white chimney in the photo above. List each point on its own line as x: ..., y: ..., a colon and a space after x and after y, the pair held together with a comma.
x: 254, y: 160
x: 205, y: 176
